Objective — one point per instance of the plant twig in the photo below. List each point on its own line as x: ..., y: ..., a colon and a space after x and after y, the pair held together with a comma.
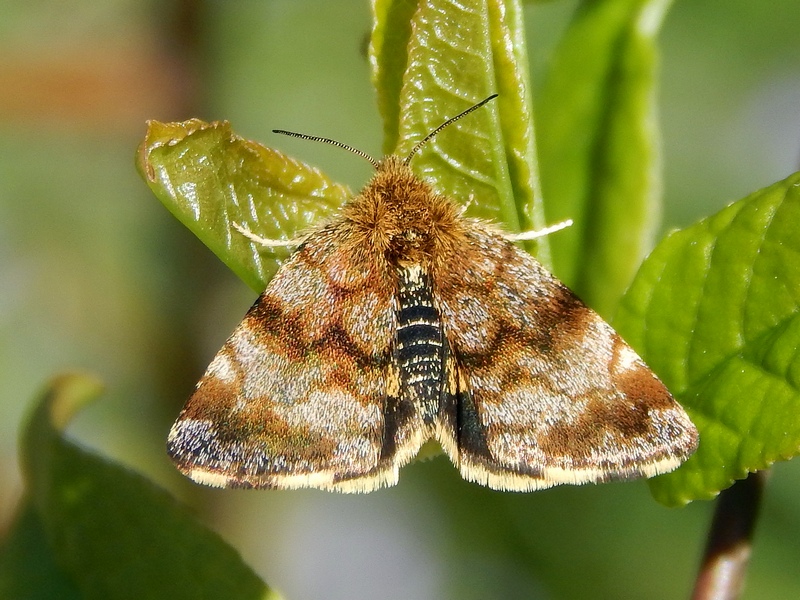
x: 727, y: 554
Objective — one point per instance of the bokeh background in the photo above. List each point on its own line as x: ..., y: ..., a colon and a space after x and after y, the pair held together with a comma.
x: 95, y: 275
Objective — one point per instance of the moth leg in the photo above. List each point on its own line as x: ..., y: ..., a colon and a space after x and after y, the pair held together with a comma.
x: 243, y: 229
x: 532, y: 235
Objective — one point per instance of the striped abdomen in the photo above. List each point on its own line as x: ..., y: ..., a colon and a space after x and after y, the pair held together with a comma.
x: 421, y: 347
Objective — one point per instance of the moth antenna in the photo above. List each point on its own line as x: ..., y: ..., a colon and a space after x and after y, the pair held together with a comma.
x: 338, y: 144
x: 450, y: 121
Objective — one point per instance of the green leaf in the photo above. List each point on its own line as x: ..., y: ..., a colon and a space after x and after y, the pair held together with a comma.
x: 599, y: 146
x: 388, y: 54
x: 111, y: 533
x: 28, y: 567
x: 210, y: 178
x: 715, y: 310
x: 458, y: 55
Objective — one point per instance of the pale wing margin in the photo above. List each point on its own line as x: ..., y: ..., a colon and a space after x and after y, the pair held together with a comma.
x: 296, y: 396
x: 548, y: 393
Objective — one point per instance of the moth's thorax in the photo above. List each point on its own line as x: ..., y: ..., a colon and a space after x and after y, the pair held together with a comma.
x: 401, y: 215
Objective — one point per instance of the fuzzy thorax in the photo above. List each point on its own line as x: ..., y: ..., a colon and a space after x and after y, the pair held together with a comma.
x: 400, y: 215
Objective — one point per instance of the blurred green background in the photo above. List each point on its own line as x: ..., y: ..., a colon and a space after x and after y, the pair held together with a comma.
x: 96, y: 275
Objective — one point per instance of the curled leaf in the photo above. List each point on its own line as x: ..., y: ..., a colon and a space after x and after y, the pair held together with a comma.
x: 210, y: 178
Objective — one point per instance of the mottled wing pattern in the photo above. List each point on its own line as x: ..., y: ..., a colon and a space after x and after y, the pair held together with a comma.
x: 299, y: 394
x: 546, y: 391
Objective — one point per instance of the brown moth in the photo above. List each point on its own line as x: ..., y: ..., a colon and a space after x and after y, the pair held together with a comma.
x: 401, y: 321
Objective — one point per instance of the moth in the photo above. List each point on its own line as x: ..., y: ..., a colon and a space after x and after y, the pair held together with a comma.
x: 401, y: 321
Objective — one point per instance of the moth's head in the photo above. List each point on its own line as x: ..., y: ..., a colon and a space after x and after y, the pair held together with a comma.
x: 402, y: 214
x: 398, y: 212
x: 402, y: 202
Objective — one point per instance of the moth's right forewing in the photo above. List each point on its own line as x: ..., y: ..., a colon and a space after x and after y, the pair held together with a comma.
x: 547, y: 392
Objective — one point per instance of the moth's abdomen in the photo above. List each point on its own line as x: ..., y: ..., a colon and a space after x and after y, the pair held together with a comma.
x: 420, y: 342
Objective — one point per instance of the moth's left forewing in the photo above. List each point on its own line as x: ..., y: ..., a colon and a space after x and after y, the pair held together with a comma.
x: 545, y: 391
x: 299, y: 395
